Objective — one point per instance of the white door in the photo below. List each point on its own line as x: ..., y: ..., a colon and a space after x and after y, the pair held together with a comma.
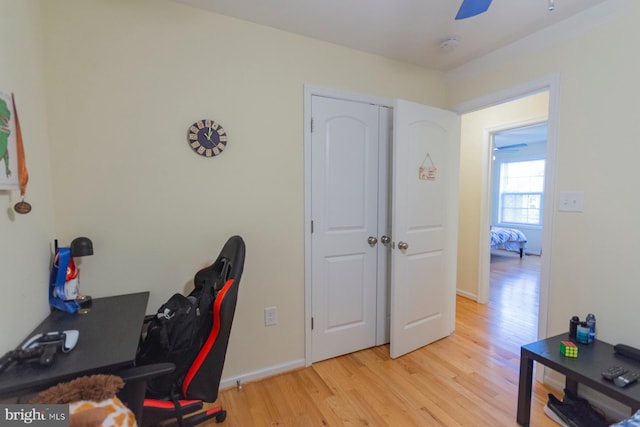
x: 344, y: 206
x: 426, y: 151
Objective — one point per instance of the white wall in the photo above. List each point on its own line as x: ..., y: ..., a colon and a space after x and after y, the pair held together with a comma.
x: 125, y: 79
x: 594, y: 266
x: 25, y: 240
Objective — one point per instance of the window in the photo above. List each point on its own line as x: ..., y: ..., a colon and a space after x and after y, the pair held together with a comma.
x: 521, y: 191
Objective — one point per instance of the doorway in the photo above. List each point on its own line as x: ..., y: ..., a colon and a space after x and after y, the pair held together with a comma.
x: 478, y: 286
x: 517, y: 188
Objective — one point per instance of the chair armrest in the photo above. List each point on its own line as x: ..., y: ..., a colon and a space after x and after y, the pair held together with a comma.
x: 145, y: 372
x: 135, y: 380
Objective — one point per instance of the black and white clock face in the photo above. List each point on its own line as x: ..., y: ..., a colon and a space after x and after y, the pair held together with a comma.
x: 207, y: 138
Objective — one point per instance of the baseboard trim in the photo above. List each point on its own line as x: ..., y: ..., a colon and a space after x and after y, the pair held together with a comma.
x: 467, y: 294
x: 261, y: 373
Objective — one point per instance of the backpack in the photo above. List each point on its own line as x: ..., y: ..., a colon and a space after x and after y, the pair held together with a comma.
x: 176, y: 334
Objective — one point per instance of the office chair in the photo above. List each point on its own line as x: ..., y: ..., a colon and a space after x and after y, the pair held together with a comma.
x: 202, y: 379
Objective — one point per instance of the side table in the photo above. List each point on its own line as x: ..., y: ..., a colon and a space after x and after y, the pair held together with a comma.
x: 585, y: 369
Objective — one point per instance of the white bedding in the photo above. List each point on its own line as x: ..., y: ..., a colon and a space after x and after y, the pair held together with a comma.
x: 508, y: 239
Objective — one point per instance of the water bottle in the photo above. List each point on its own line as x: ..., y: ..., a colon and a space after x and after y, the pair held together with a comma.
x: 591, y: 323
x: 573, y: 326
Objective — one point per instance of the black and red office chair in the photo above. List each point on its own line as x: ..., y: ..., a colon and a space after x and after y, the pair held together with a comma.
x: 202, y: 379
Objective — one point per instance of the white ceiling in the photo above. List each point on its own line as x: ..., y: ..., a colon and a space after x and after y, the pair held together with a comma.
x: 406, y: 30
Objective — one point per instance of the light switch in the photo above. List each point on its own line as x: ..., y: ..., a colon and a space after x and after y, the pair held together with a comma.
x: 571, y: 201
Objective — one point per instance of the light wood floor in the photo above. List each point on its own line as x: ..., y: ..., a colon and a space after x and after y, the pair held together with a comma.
x: 467, y: 379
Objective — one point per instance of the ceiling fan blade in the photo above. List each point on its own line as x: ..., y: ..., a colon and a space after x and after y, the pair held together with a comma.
x: 507, y: 147
x: 471, y: 8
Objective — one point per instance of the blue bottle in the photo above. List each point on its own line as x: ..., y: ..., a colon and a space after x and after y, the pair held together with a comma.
x: 591, y: 324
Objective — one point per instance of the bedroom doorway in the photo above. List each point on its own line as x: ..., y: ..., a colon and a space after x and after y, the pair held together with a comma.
x: 517, y: 188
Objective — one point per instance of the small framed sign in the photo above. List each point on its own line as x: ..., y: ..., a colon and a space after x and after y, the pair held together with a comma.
x: 427, y: 172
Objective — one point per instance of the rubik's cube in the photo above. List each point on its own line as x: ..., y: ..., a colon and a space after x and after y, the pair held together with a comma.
x: 568, y: 349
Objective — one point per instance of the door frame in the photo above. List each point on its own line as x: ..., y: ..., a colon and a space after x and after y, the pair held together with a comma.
x: 309, y: 92
x: 550, y: 83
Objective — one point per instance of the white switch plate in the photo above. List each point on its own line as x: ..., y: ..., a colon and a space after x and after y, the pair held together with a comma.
x: 270, y: 316
x: 571, y: 201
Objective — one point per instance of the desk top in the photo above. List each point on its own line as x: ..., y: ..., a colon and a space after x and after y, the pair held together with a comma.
x: 587, y: 367
x: 108, y: 339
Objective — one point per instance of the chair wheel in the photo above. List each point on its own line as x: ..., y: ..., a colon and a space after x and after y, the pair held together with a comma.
x: 221, y: 416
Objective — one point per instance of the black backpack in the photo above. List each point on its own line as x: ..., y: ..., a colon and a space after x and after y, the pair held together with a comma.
x: 176, y: 334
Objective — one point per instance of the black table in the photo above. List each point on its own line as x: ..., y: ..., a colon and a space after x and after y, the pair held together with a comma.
x: 108, y: 340
x: 585, y: 369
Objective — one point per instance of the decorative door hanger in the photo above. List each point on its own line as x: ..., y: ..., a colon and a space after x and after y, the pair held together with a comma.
x: 427, y: 172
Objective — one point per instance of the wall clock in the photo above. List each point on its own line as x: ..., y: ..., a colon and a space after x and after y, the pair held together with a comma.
x: 207, y: 138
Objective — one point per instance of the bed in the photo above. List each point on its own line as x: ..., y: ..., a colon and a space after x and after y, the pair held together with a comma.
x: 508, y: 239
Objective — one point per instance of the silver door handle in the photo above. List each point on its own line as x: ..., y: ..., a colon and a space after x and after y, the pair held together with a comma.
x: 403, y: 246
x: 385, y: 240
x: 372, y: 241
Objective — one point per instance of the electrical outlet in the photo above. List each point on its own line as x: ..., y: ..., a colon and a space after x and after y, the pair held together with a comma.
x: 270, y: 316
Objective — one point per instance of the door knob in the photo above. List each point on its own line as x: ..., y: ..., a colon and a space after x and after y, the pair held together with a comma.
x: 403, y: 246
x: 385, y: 240
x: 372, y: 241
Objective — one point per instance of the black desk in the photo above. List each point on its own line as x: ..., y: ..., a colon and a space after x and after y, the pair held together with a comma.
x: 585, y: 369
x: 108, y: 340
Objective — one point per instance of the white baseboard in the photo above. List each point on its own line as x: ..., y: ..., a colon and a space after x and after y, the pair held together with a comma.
x: 261, y: 373
x: 467, y: 294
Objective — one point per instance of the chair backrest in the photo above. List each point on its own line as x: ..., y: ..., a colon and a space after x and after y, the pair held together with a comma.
x: 203, y: 377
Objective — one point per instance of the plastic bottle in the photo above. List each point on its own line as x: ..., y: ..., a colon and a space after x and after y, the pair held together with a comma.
x: 573, y: 326
x: 591, y: 323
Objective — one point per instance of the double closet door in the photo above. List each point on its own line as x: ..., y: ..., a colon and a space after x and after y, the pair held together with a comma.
x: 384, y: 221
